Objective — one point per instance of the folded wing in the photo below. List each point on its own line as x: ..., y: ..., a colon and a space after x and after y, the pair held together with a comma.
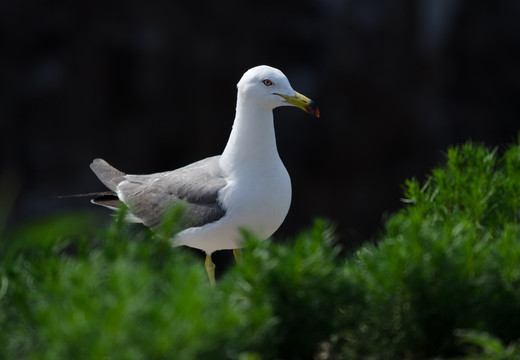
x: 147, y: 197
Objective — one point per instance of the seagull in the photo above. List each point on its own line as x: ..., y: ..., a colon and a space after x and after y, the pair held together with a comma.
x: 246, y: 187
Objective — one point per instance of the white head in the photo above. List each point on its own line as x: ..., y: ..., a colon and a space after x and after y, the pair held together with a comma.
x: 269, y: 88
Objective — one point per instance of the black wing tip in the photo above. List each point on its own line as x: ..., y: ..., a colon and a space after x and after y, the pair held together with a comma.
x: 94, y: 194
x: 109, y: 200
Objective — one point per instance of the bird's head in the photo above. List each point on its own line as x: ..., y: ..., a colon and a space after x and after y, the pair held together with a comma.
x: 270, y: 88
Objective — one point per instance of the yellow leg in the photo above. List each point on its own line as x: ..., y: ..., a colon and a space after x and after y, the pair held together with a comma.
x: 210, y: 269
x: 238, y: 255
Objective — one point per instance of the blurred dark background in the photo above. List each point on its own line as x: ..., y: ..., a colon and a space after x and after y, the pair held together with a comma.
x: 150, y: 86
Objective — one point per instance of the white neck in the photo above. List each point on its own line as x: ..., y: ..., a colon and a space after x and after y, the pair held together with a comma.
x: 252, y: 141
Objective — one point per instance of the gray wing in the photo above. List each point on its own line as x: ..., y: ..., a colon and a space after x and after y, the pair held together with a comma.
x: 195, y: 186
x: 108, y: 175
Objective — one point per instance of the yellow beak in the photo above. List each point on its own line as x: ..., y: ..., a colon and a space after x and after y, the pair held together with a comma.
x: 303, y: 102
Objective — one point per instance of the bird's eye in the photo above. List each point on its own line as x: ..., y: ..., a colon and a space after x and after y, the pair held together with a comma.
x: 267, y: 82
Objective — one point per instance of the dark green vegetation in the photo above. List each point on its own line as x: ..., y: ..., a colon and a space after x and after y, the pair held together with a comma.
x: 442, y: 281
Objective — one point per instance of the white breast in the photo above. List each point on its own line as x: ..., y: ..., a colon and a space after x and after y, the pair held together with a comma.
x: 257, y: 201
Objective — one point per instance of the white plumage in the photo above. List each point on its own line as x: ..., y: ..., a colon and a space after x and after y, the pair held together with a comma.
x: 245, y: 187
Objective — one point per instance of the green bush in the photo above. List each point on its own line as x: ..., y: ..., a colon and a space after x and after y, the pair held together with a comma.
x: 450, y: 260
x: 123, y: 297
x: 442, y: 281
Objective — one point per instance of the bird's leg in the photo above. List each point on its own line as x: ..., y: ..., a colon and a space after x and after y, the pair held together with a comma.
x: 238, y: 255
x: 210, y: 269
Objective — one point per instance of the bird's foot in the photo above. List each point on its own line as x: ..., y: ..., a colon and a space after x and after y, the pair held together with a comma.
x: 210, y: 269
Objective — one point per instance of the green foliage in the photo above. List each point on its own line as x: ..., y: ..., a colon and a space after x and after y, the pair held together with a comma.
x: 487, y: 347
x: 443, y: 281
x: 119, y: 296
x: 450, y: 260
x: 300, y: 284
